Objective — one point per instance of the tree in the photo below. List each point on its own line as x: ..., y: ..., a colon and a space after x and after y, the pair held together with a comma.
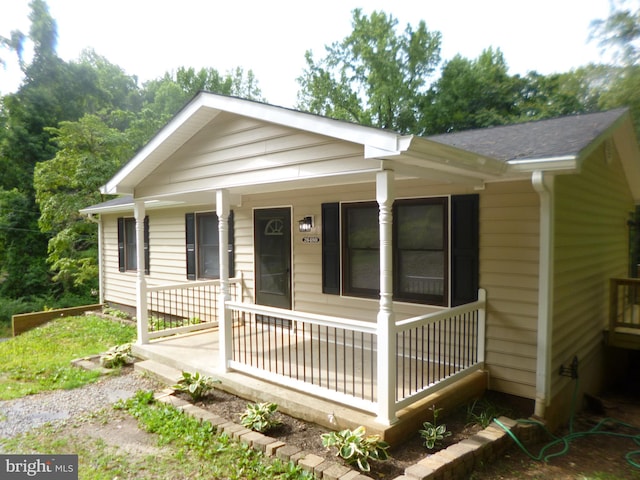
x: 621, y: 85
x: 89, y: 153
x: 473, y: 94
x: 620, y: 31
x: 24, y: 269
x: 558, y: 94
x: 375, y: 76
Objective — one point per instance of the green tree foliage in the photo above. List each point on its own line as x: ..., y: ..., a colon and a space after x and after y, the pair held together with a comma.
x: 24, y: 271
x: 620, y: 32
x: 163, y: 97
x: 473, y: 94
x: 89, y: 153
x: 558, y: 94
x: 375, y: 76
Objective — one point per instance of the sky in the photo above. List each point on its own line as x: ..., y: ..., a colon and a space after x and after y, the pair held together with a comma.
x: 147, y: 38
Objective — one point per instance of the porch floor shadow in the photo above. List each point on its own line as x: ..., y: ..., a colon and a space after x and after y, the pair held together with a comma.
x: 166, y: 358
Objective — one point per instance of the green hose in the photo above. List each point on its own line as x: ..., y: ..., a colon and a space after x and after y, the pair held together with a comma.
x: 563, y: 442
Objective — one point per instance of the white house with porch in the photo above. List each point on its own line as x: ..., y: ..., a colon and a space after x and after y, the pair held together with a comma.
x: 368, y: 269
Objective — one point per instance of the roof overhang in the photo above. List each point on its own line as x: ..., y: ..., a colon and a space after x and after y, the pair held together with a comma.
x: 206, y: 106
x: 409, y: 156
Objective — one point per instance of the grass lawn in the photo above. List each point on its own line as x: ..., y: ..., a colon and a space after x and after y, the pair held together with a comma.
x: 39, y: 360
x: 180, y: 447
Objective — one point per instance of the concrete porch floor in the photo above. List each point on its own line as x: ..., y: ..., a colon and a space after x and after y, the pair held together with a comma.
x: 166, y: 358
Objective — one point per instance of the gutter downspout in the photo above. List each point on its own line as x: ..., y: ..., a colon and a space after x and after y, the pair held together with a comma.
x: 545, y: 188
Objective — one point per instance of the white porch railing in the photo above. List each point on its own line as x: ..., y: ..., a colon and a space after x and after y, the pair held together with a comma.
x: 337, y: 357
x: 184, y: 307
x: 436, y: 349
x: 329, y: 356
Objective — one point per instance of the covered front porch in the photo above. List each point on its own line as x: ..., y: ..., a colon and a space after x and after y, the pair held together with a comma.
x: 327, y: 372
x: 324, y: 369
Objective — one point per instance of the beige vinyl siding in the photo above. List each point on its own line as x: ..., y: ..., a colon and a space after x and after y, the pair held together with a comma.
x: 250, y: 150
x: 120, y: 287
x: 591, y: 246
x: 508, y: 264
x: 509, y: 252
x: 307, y: 258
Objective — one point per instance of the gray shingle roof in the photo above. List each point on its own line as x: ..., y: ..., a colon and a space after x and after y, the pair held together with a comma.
x: 126, y: 200
x: 556, y: 137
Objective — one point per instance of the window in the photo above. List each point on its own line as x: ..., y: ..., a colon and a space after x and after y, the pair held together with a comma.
x: 202, y: 242
x: 361, y: 249
x: 130, y: 251
x: 420, y: 250
x: 127, y: 245
x: 424, y: 267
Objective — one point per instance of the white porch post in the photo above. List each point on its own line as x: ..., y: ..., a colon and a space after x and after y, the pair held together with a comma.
x: 141, y: 282
x: 386, y: 317
x: 224, y: 315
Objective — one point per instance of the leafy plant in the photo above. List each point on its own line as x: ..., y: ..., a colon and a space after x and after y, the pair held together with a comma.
x: 432, y: 433
x: 481, y: 412
x: 259, y: 417
x: 114, y: 312
x: 195, y: 385
x: 356, y: 447
x: 156, y: 324
x: 117, y: 356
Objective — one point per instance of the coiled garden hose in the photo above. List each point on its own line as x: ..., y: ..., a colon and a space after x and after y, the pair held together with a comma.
x: 567, y: 439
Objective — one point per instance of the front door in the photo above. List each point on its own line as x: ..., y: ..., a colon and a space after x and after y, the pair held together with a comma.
x: 272, y: 242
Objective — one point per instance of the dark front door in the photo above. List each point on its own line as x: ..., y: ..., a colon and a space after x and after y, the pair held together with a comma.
x: 272, y: 229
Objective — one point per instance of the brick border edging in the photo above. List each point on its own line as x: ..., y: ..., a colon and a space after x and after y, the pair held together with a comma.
x: 454, y: 462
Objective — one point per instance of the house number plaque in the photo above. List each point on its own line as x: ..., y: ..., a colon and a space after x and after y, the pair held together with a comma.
x: 310, y: 239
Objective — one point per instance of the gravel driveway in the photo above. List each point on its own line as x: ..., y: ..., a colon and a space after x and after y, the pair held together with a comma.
x: 22, y: 414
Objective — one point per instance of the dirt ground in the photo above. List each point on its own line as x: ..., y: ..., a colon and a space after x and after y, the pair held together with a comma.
x: 588, y: 457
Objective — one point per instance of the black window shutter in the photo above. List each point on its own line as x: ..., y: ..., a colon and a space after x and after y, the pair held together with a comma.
x: 190, y: 233
x: 146, y: 245
x: 232, y: 270
x: 465, y: 245
x: 331, y: 248
x: 121, y: 262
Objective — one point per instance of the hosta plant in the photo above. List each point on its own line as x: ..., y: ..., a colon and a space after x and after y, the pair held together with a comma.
x: 432, y: 433
x: 356, y: 447
x: 195, y: 385
x: 117, y: 356
x: 259, y: 417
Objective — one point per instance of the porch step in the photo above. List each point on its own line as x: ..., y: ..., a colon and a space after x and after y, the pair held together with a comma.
x: 158, y: 371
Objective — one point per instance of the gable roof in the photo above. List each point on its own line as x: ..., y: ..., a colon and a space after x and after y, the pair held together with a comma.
x: 473, y: 156
x: 560, y: 137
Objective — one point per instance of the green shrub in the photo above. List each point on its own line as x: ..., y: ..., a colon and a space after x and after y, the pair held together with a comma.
x: 259, y: 417
x: 15, y: 306
x: 356, y: 447
x: 195, y: 385
x: 117, y: 356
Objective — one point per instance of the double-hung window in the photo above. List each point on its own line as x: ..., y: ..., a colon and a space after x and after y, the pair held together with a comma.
x: 203, y: 244
x: 420, y: 251
x: 434, y: 262
x: 127, y: 244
